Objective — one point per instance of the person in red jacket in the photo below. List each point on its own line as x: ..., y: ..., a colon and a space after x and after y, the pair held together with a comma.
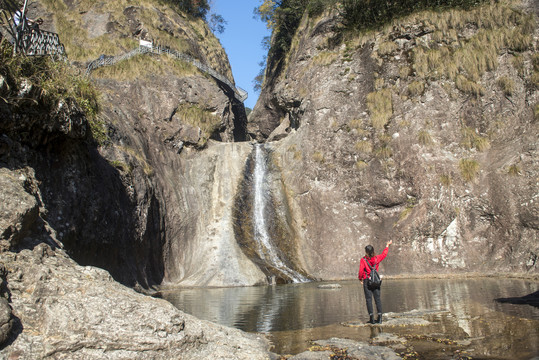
x: 364, y: 272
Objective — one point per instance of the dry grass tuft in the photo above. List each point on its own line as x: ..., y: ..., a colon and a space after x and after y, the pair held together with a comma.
x: 507, y: 85
x: 464, y: 60
x: 387, y: 47
x: 318, y: 157
x: 384, y: 152
x: 468, y: 86
x: 445, y: 180
x: 196, y: 115
x: 472, y: 140
x: 404, y: 72
x: 364, y: 146
x: 380, y: 106
x: 416, y: 88
x: 513, y: 170
x: 424, y: 138
x: 361, y: 165
x: 70, y: 22
x: 469, y: 169
x: 145, y: 65
x: 324, y: 58
x: 518, y: 64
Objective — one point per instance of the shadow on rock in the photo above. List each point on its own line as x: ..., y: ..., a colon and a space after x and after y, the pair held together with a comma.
x: 10, y: 332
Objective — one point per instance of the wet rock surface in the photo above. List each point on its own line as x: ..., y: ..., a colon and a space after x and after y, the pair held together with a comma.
x: 346, y: 349
x: 411, y: 318
x: 416, y: 334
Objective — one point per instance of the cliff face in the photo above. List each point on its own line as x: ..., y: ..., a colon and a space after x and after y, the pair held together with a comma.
x: 424, y: 132
x: 128, y: 213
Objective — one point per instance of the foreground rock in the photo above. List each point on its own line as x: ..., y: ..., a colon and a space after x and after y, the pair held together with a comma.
x: 69, y: 311
x: 346, y: 349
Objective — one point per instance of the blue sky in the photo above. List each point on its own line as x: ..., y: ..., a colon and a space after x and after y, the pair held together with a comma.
x: 242, y: 41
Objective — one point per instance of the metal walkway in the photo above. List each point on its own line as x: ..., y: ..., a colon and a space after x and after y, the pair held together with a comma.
x: 148, y: 48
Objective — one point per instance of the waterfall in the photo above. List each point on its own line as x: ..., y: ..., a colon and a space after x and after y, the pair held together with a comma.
x: 265, y: 248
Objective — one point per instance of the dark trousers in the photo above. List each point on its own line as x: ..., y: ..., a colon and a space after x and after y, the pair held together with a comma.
x: 369, y: 293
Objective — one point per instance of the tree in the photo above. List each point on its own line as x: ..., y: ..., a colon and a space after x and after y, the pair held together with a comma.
x: 196, y: 8
x: 266, y: 12
x: 217, y: 23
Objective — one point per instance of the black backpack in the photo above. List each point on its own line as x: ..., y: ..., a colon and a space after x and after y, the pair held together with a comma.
x: 373, y: 281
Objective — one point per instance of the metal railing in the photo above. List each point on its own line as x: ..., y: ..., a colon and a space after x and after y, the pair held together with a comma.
x: 103, y: 60
x: 41, y: 43
x: 29, y: 40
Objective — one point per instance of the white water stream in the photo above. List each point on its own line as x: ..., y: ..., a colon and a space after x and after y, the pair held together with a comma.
x: 265, y: 247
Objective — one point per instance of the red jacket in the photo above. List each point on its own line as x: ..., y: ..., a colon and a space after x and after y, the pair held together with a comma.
x: 365, y: 270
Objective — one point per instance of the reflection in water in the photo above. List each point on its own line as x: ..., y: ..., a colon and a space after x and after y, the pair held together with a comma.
x: 291, y: 315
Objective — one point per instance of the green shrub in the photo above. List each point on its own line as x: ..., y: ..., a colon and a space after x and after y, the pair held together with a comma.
x: 316, y: 7
x: 99, y: 131
x: 198, y: 8
x: 57, y: 81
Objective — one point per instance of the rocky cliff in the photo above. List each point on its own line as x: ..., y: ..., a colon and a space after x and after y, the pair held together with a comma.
x: 423, y: 131
x: 125, y: 189
x: 154, y: 109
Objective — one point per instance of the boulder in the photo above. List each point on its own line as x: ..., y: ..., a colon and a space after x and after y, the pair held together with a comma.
x: 80, y: 312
